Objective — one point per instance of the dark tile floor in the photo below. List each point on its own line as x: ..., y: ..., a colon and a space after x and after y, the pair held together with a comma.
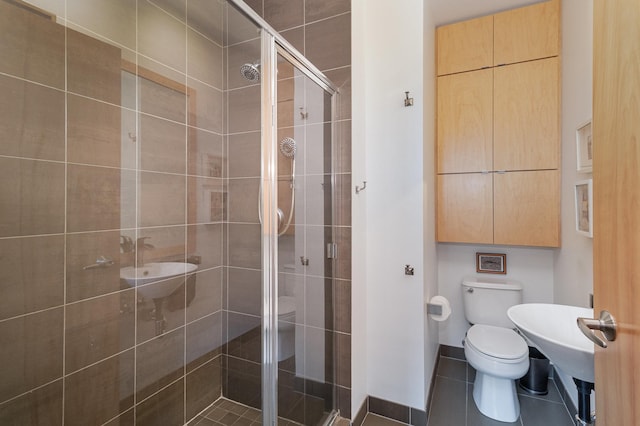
x: 375, y: 420
x: 453, y: 403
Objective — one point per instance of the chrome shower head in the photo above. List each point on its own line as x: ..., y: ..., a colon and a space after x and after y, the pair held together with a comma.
x: 288, y: 147
x: 251, y: 72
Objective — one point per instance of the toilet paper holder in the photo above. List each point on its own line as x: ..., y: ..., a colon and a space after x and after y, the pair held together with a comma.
x: 434, y: 309
x: 438, y: 308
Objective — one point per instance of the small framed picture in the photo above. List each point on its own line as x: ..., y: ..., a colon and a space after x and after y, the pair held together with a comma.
x: 584, y: 207
x: 491, y: 263
x: 584, y: 145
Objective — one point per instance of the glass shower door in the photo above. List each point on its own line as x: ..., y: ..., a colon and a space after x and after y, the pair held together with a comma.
x: 304, y: 215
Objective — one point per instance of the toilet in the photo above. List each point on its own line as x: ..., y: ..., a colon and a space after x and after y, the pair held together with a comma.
x: 286, y: 327
x: 492, y: 346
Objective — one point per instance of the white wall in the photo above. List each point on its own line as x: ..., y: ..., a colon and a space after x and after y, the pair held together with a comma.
x: 394, y: 202
x: 431, y: 340
x: 393, y: 348
x: 573, y: 274
x: 388, y: 60
x: 359, y: 353
x: 574, y: 262
x: 533, y: 267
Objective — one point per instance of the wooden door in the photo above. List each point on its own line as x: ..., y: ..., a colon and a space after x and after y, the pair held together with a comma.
x: 526, y: 116
x: 465, y: 122
x: 465, y: 46
x: 616, y: 173
x: 527, y: 33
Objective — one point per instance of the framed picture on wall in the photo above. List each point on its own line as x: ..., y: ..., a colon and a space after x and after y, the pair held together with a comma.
x: 584, y: 145
x: 584, y: 207
x: 491, y: 263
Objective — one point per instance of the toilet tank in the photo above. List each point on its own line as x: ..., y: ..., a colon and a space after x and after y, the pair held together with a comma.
x: 486, y: 300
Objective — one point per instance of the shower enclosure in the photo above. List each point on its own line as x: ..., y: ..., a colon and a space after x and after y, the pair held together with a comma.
x: 167, y: 238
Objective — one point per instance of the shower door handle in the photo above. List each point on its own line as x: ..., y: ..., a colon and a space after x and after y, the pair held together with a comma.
x: 332, y: 250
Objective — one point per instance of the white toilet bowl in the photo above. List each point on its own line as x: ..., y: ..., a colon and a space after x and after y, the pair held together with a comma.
x: 500, y: 356
x: 286, y: 327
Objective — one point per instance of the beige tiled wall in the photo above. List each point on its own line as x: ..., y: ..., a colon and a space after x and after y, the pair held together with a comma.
x: 90, y: 153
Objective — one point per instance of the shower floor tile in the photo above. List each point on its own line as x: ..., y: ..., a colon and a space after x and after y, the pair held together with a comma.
x: 230, y: 413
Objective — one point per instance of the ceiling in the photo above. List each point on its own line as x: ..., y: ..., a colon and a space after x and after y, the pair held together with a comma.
x: 448, y: 11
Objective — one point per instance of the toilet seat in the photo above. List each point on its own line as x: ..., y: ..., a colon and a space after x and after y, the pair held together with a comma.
x: 286, y: 327
x: 499, y: 356
x: 286, y: 306
x: 497, y: 342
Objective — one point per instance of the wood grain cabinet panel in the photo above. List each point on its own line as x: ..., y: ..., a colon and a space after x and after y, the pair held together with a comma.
x: 465, y: 46
x: 527, y: 116
x: 527, y: 33
x: 505, y: 121
x: 527, y: 208
x: 465, y: 122
x: 465, y: 208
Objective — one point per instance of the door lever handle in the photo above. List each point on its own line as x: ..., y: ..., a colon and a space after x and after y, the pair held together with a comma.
x: 606, y: 324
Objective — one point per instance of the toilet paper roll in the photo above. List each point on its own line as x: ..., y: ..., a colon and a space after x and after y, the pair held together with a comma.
x: 446, y: 308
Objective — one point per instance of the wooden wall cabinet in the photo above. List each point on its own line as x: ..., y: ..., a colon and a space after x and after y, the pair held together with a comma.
x: 510, y: 208
x: 526, y: 108
x: 465, y: 122
x: 517, y: 35
x: 527, y: 208
x: 465, y: 46
x: 527, y: 33
x: 498, y: 131
x: 465, y: 208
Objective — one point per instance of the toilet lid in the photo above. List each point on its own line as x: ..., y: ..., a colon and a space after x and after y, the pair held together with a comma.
x: 286, y: 305
x: 498, y: 342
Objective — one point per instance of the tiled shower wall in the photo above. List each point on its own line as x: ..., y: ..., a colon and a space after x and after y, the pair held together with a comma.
x: 111, y: 124
x: 321, y: 30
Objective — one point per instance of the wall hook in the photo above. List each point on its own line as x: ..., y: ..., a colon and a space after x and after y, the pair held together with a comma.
x: 407, y: 100
x: 303, y: 114
x: 360, y: 189
x: 409, y: 270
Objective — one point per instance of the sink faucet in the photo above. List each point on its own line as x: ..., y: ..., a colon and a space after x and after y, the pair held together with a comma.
x: 126, y: 244
x: 141, y: 246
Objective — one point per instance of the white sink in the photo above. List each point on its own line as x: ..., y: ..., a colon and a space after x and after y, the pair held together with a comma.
x: 553, y: 330
x: 165, y: 276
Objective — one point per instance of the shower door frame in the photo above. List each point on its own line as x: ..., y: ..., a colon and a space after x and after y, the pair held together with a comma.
x: 272, y: 45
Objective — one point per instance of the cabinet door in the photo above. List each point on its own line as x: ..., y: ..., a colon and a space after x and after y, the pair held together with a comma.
x: 465, y: 208
x: 527, y: 33
x: 465, y: 122
x: 465, y: 46
x: 527, y: 208
x: 526, y: 116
